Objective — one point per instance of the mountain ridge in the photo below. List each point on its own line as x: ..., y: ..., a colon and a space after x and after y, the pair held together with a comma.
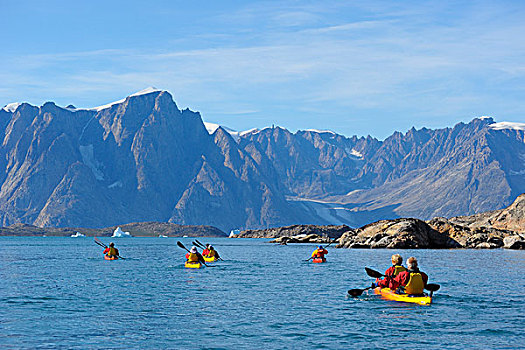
x: 144, y: 159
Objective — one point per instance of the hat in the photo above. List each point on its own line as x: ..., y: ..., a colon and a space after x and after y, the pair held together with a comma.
x: 112, y: 244
x: 210, y: 247
x: 193, y: 249
x: 320, y: 247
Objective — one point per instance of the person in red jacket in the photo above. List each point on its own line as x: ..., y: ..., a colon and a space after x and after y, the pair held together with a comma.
x: 391, y: 272
x: 411, y: 281
x: 206, y: 251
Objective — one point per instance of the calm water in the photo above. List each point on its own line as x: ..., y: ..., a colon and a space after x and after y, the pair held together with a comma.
x: 60, y: 293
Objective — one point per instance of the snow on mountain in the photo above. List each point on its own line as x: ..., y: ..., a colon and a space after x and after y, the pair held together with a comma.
x: 321, y: 131
x: 508, y: 125
x: 212, y: 127
x: 146, y: 91
x: 11, y: 107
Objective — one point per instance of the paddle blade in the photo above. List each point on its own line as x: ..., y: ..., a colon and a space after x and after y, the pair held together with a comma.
x: 355, y: 292
x: 202, y: 245
x: 179, y: 243
x: 373, y: 273
x: 432, y: 287
x: 97, y: 241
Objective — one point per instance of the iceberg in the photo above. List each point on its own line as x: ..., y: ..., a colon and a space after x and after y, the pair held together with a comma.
x: 78, y: 234
x: 234, y: 232
x: 119, y: 233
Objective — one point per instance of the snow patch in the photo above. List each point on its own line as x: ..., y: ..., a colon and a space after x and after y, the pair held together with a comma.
x: 146, y: 91
x: 248, y: 132
x: 508, y: 125
x: 11, y: 107
x: 321, y: 131
x: 118, y: 233
x: 87, y: 158
x: 116, y: 184
x: 212, y: 127
x: 109, y: 105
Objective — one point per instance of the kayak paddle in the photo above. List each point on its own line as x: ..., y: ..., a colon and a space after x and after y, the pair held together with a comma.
x: 202, y: 246
x: 357, y: 292
x: 97, y: 241
x: 179, y: 243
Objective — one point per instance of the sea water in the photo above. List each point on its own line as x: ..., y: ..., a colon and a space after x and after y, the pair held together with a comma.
x: 61, y: 293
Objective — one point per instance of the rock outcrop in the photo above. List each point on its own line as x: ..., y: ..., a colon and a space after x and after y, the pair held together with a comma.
x: 328, y: 232
x: 396, y: 234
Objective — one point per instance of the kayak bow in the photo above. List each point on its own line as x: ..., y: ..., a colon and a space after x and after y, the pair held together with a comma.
x: 318, y: 260
x: 209, y: 258
x: 388, y: 294
x: 192, y: 265
x: 110, y: 258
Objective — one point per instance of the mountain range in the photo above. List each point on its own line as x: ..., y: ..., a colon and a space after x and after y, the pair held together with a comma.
x: 144, y: 159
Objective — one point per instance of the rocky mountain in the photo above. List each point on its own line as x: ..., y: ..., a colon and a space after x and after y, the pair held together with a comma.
x: 144, y: 159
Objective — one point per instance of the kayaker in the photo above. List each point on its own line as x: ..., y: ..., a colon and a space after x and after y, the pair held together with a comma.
x: 319, y: 253
x: 412, y: 281
x: 206, y: 251
x: 212, y: 253
x: 194, y: 256
x: 111, y: 251
x: 391, y: 272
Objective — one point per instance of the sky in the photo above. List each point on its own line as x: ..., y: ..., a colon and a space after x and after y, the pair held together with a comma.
x: 353, y: 67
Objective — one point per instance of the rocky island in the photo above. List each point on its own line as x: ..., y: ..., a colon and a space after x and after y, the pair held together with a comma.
x: 136, y: 229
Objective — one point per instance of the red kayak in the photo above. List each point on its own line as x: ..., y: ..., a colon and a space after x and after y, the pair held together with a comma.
x: 318, y: 260
x: 112, y: 258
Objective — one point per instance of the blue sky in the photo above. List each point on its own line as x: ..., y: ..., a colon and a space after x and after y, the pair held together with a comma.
x: 354, y: 67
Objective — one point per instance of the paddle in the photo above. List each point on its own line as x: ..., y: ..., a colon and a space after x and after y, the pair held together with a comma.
x: 357, y: 292
x: 97, y: 241
x: 186, y: 249
x: 432, y: 287
x: 202, y: 246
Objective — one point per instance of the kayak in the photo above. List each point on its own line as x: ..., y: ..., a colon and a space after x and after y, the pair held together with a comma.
x: 209, y: 258
x: 112, y: 258
x: 318, y: 260
x: 388, y: 294
x: 192, y: 264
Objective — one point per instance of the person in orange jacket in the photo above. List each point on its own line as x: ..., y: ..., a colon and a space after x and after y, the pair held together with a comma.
x: 320, y: 252
x: 412, y: 281
x: 391, y: 272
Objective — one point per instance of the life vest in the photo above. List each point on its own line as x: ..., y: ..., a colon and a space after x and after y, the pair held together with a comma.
x: 415, y: 284
x: 319, y: 253
x: 212, y: 253
x: 193, y: 257
x: 398, y: 269
x: 112, y: 251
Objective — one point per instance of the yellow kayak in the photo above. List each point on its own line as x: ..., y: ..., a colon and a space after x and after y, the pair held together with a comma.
x: 209, y: 258
x: 388, y: 294
x: 192, y: 265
